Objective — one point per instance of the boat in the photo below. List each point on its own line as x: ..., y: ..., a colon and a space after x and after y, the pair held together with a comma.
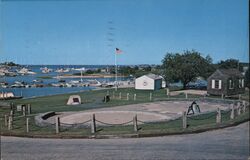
x: 61, y: 70
x: 46, y: 70
x: 94, y: 83
x: 8, y: 95
x: 25, y: 71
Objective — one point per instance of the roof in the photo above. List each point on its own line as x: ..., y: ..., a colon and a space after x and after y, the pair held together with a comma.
x: 230, y: 72
x: 153, y: 76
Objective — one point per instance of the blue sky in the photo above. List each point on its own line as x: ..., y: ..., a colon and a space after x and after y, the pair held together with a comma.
x: 88, y: 31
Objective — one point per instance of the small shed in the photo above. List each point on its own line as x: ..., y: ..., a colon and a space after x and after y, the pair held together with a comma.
x: 74, y: 100
x: 148, y: 82
x: 226, y: 82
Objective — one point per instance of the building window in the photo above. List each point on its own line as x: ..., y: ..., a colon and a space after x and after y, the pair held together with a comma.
x: 241, y: 83
x: 216, y: 84
x: 231, y: 84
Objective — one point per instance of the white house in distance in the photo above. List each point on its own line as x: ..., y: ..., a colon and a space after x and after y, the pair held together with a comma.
x: 148, y: 82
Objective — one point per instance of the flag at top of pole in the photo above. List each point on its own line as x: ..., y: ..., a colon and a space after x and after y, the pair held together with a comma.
x: 118, y: 51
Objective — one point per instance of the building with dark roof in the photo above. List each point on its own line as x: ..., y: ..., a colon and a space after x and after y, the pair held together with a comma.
x: 226, y: 82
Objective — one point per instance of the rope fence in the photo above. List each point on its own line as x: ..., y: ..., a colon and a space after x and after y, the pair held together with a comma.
x: 14, y: 122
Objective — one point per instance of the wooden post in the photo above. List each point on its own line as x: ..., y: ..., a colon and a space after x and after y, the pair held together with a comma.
x: 184, y: 120
x: 57, y: 125
x: 12, y: 107
x: 167, y: 91
x: 120, y: 95
x: 11, y: 113
x: 134, y: 97
x: 127, y: 96
x: 93, y: 125
x: 105, y: 99
x: 186, y: 95
x: 150, y: 96
x: 27, y: 125
x: 5, y: 120
x: 135, y: 123
x: 113, y: 95
x: 244, y: 108
x: 222, y: 96
x: 24, y: 110
x: 239, y: 96
x: 10, y: 123
x: 238, y: 108
x: 232, y: 112
x: 218, y: 117
x: 29, y: 108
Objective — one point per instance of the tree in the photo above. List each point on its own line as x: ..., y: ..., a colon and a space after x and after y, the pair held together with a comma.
x: 247, y: 78
x: 230, y: 63
x: 186, y: 67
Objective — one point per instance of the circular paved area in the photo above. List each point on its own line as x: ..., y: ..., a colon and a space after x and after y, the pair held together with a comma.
x: 147, y: 112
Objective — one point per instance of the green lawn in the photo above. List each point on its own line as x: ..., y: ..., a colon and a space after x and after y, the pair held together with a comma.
x: 93, y: 99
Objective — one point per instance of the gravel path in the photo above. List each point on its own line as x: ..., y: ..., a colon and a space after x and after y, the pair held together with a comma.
x: 229, y: 143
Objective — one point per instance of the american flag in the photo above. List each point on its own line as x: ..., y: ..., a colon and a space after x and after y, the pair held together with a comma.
x: 118, y: 51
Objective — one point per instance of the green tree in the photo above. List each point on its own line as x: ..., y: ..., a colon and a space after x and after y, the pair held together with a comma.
x: 186, y: 67
x: 230, y: 63
x: 247, y: 78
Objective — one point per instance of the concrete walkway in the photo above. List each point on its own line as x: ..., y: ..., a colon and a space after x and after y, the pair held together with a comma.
x: 229, y: 143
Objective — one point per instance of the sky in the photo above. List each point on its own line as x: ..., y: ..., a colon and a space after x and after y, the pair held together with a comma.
x: 86, y: 32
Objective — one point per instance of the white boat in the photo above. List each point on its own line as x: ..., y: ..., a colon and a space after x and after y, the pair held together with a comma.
x: 94, y: 83
x: 25, y: 71
x: 46, y: 70
x: 61, y: 70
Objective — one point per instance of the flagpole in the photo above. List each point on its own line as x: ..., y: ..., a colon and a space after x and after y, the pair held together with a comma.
x: 116, y: 72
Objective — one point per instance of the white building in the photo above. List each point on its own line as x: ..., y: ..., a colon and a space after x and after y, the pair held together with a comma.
x: 148, y: 82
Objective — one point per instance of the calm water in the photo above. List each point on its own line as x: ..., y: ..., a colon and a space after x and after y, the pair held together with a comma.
x: 31, y: 92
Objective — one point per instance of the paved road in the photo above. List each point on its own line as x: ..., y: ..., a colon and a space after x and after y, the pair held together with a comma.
x: 230, y: 143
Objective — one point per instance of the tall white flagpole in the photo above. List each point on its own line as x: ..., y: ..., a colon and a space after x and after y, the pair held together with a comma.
x: 116, y: 72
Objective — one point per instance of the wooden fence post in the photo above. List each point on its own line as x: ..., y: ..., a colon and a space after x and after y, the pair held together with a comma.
x: 186, y: 95
x: 239, y: 96
x: 127, y: 96
x: 24, y: 110
x: 238, y: 108
x: 218, y: 117
x: 113, y: 95
x: 184, y: 120
x: 167, y: 91
x: 135, y: 123
x: 93, y: 124
x: 232, y: 111
x: 120, y: 95
x: 10, y: 123
x: 222, y: 96
x: 27, y: 125
x: 29, y: 108
x: 57, y: 125
x: 6, y: 120
x: 134, y: 97
x: 150, y: 96
x: 244, y: 106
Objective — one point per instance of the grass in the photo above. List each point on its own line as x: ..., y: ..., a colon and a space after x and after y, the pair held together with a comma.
x: 93, y: 99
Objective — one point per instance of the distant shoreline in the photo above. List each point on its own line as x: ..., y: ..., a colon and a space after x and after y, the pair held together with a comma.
x: 89, y: 76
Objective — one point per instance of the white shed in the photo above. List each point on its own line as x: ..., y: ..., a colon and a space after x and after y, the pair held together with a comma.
x: 148, y: 82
